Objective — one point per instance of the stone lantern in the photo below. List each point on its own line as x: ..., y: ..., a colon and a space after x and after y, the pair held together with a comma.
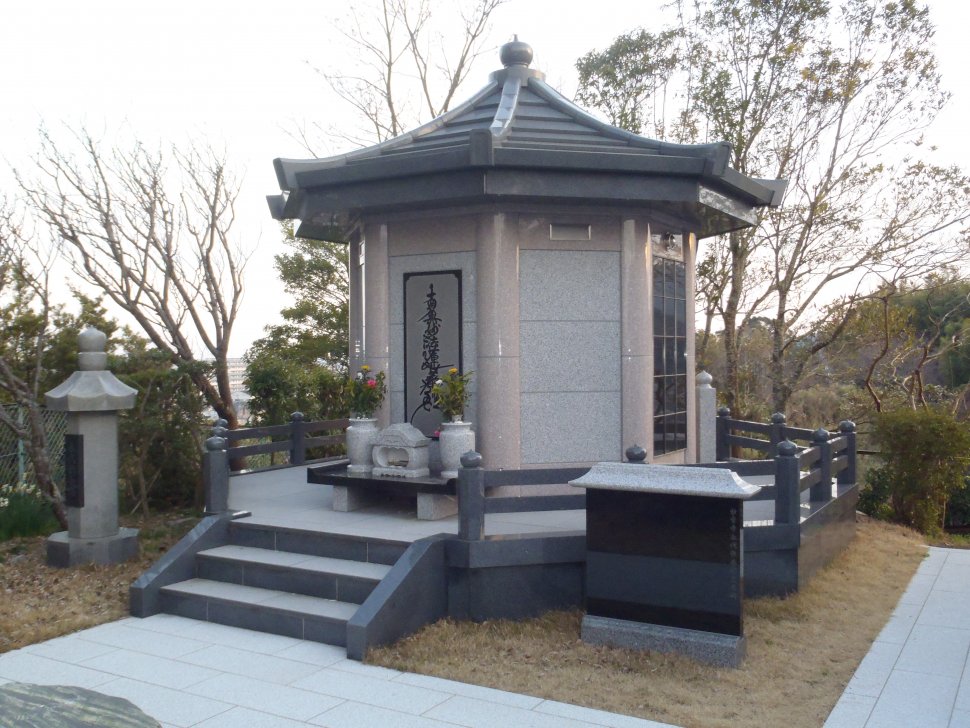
x: 91, y: 397
x: 520, y: 238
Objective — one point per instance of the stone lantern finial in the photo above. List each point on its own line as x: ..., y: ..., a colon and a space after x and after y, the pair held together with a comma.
x: 91, y: 344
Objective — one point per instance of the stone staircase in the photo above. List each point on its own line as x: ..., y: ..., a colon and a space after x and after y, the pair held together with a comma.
x: 285, y: 581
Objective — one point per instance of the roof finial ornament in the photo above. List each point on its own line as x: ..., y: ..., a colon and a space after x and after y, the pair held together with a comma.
x: 516, y: 53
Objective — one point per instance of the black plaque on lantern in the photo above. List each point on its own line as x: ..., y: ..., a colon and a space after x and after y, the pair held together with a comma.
x: 74, y: 471
x: 432, y: 341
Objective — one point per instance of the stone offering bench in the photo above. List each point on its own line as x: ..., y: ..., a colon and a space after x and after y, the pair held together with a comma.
x: 435, y: 497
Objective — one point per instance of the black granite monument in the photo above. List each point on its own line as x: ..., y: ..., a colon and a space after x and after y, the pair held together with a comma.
x: 664, y: 559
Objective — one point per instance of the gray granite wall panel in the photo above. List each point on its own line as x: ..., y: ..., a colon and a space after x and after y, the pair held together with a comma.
x: 770, y: 573
x: 569, y: 285
x: 570, y: 427
x: 514, y: 592
x: 569, y: 311
x: 580, y: 355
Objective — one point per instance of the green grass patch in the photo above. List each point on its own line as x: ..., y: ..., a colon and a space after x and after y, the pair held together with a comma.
x: 24, y: 512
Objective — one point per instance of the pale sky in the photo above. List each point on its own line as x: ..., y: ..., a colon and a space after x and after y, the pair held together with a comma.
x: 238, y: 75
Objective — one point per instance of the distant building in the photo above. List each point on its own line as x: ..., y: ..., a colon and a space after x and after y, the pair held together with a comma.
x: 237, y: 383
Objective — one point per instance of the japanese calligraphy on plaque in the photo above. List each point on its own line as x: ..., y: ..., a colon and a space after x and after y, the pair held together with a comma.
x: 432, y: 341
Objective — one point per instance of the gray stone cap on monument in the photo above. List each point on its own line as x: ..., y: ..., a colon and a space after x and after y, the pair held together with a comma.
x: 668, y: 479
x: 92, y: 388
x: 403, y: 434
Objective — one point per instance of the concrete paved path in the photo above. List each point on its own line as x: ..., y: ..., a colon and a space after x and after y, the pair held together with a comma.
x: 917, y: 675
x: 188, y: 673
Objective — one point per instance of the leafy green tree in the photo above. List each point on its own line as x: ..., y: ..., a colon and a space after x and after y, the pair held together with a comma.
x: 314, y: 328
x: 300, y: 363
x: 280, y: 385
x: 832, y: 98
x: 161, y: 437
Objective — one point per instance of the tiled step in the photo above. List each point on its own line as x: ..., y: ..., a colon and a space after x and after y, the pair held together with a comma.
x: 316, y: 576
x: 315, y: 543
x: 265, y: 610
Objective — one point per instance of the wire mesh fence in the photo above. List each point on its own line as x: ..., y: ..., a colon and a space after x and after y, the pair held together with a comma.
x: 15, y: 464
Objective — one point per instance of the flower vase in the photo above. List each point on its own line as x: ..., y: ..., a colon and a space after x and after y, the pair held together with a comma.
x: 455, y: 440
x: 361, y: 436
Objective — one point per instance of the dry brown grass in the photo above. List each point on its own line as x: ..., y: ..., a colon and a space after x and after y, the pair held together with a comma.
x: 38, y: 602
x: 801, y: 650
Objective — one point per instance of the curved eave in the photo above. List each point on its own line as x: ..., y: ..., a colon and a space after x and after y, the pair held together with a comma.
x: 702, y: 206
x: 481, y: 155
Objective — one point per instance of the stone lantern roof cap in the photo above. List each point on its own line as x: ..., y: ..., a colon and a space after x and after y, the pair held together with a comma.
x: 92, y: 388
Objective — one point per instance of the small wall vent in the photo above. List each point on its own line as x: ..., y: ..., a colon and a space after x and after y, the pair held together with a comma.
x: 567, y: 231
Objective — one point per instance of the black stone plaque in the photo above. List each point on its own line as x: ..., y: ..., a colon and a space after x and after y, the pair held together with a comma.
x: 672, y: 560
x: 74, y: 470
x: 432, y: 341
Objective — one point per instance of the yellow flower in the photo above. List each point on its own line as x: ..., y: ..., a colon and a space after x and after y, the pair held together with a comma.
x: 365, y: 368
x: 453, y: 370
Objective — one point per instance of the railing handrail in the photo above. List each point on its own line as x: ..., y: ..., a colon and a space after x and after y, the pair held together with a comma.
x: 830, y: 455
x: 223, y: 450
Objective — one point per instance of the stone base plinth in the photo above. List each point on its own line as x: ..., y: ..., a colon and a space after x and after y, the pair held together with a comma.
x: 432, y: 506
x: 350, y: 499
x: 64, y: 551
x: 713, y: 648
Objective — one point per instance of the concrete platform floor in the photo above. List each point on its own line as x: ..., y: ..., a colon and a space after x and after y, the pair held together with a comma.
x: 284, y: 498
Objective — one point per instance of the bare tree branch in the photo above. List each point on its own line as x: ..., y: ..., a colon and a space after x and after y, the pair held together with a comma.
x: 166, y: 258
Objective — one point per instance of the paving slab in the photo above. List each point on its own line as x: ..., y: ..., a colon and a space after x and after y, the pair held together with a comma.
x: 916, y: 672
x: 189, y: 674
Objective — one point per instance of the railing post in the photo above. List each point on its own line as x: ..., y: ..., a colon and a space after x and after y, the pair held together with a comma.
x: 636, y: 454
x: 787, y: 476
x: 297, y: 439
x: 706, y: 419
x: 848, y: 475
x: 722, y: 450
x: 822, y: 491
x: 471, y: 498
x: 215, y: 475
x: 777, y: 434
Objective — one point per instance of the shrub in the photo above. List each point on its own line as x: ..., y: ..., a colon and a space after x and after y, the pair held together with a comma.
x: 925, y: 453
x: 958, y: 509
x: 24, y: 512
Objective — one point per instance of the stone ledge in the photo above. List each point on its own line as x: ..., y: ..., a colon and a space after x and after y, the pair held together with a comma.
x: 668, y: 480
x: 722, y: 650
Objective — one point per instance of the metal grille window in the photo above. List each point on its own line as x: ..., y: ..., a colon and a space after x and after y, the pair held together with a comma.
x: 669, y: 356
